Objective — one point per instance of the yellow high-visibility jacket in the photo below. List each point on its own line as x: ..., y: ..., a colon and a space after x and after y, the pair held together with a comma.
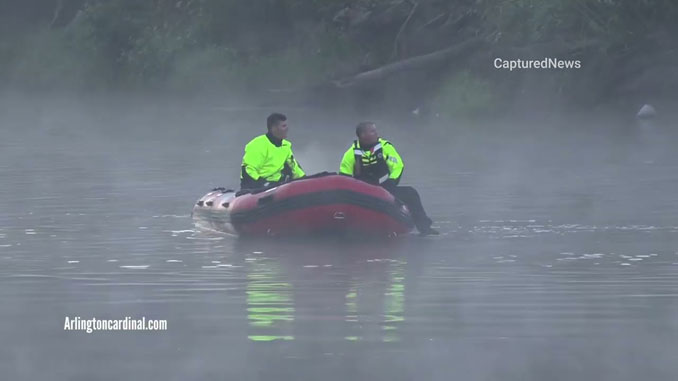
x: 265, y: 160
x: 376, y: 164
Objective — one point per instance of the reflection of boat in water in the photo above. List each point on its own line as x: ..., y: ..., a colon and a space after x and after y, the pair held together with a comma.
x: 295, y: 293
x: 323, y: 203
x: 390, y: 295
x: 270, y: 303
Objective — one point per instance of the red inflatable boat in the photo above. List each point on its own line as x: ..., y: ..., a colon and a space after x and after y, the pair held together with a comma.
x: 324, y: 203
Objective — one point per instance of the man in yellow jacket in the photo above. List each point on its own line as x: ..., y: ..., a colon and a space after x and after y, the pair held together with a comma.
x: 375, y: 161
x: 268, y: 158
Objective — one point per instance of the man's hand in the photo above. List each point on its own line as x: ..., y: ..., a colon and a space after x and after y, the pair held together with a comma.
x: 389, y: 185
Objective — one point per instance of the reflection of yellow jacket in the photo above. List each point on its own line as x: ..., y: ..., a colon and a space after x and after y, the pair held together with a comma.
x: 378, y: 163
x: 264, y: 159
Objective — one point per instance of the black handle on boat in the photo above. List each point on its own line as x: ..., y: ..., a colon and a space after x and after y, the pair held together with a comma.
x: 264, y: 200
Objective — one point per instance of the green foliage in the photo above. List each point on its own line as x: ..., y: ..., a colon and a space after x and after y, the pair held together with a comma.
x: 154, y: 52
x: 298, y: 65
x: 194, y: 43
x: 613, y: 21
x: 267, y: 44
x: 208, y: 68
x: 465, y: 95
x: 111, y: 27
x: 54, y: 59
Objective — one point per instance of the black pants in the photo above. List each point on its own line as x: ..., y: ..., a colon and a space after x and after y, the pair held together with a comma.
x: 247, y: 182
x: 410, y: 197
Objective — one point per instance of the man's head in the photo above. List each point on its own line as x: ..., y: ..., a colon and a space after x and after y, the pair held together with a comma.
x: 367, y: 133
x: 277, y: 125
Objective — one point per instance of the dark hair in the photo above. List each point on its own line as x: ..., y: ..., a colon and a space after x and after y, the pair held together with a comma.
x: 362, y: 126
x: 274, y: 119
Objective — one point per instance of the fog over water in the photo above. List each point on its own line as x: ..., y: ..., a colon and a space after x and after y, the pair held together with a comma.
x: 558, y: 257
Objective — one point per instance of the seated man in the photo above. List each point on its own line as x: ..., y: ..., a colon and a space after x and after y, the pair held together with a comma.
x: 268, y: 158
x: 375, y: 161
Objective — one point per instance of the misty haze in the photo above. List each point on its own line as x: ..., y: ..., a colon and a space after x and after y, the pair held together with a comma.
x: 553, y: 189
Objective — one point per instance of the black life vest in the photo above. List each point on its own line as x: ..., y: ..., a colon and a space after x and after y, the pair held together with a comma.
x: 370, y: 168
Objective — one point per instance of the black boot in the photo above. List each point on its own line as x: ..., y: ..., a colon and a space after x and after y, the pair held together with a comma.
x: 428, y: 231
x: 425, y: 228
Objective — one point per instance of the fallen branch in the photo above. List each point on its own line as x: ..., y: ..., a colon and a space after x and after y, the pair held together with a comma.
x: 412, y: 63
x: 432, y: 21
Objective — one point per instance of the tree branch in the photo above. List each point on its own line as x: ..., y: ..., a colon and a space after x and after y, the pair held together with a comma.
x: 432, y: 21
x: 57, y: 12
x: 412, y: 63
x: 400, y: 31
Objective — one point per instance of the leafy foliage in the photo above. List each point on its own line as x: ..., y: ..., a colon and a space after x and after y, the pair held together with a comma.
x: 236, y: 45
